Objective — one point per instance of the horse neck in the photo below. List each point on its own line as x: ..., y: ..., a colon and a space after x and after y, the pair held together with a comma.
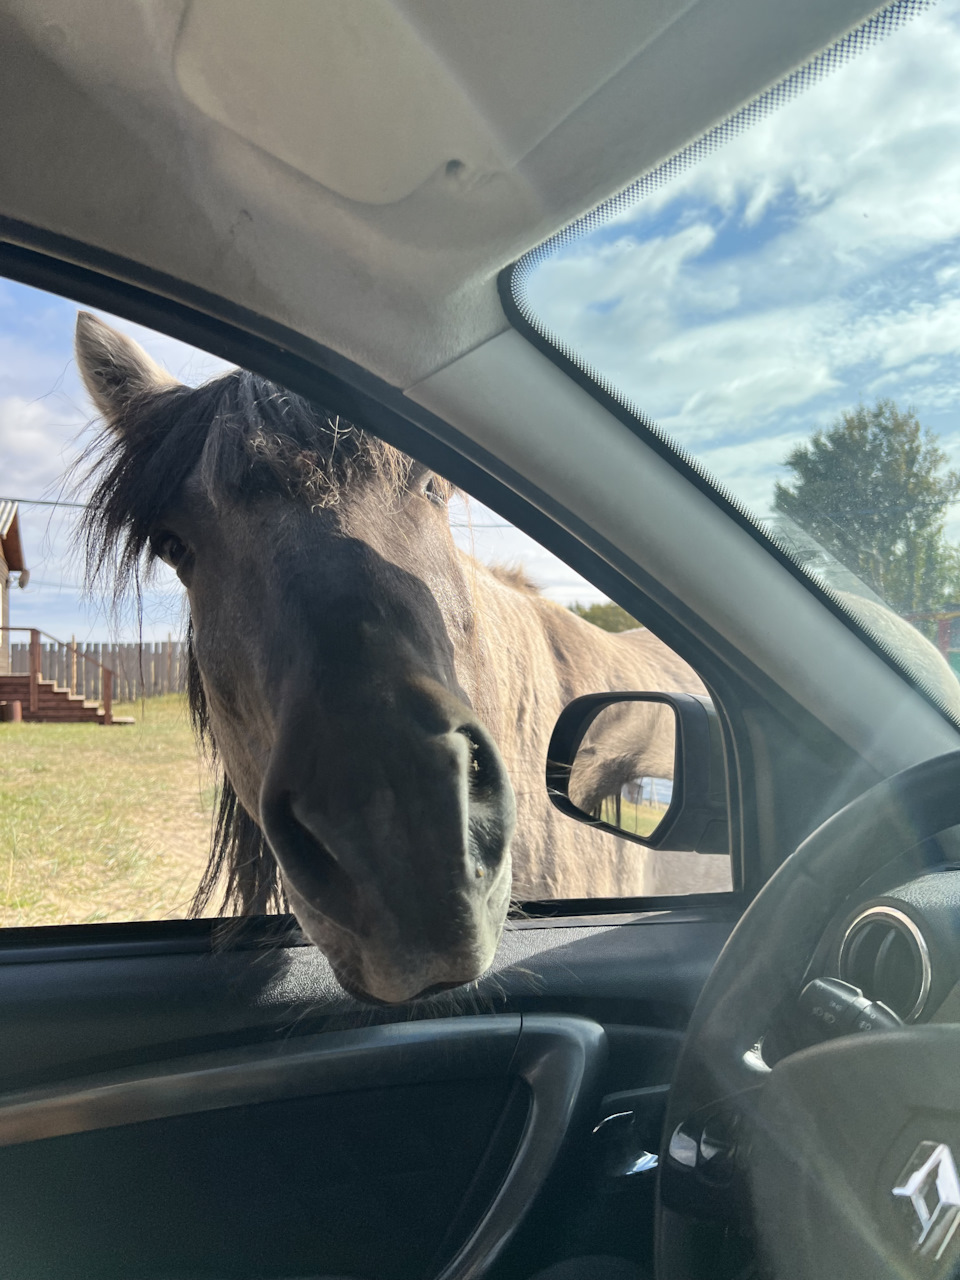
x: 519, y: 684
x: 537, y: 649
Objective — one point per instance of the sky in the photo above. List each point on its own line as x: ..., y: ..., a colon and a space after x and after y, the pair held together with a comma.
x: 810, y: 264
x: 46, y: 422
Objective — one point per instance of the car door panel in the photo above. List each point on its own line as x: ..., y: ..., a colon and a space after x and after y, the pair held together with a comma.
x: 129, y: 994
x: 174, y: 1105
x: 312, y: 1154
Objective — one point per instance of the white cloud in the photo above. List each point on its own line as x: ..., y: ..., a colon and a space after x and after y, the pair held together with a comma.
x: 806, y: 265
x: 826, y: 140
x: 749, y: 469
x: 34, y: 443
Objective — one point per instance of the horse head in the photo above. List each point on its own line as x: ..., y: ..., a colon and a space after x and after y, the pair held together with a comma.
x: 333, y: 662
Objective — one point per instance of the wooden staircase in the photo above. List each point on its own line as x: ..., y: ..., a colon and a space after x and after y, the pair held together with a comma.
x: 54, y: 703
x: 43, y: 700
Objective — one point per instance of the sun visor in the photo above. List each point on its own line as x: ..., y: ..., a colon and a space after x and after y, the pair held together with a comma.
x: 355, y: 95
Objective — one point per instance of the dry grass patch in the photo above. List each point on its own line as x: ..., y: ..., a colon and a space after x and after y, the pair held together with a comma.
x: 103, y: 823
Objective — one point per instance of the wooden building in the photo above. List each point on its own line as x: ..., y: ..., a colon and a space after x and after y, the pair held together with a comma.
x: 11, y: 561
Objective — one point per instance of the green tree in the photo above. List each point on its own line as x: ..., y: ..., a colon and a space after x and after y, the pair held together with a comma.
x: 874, y: 490
x: 608, y: 615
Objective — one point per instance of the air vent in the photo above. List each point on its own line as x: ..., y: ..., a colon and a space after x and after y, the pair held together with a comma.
x: 885, y: 955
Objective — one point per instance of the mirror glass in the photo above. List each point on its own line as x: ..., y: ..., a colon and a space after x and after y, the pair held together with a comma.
x: 623, y: 771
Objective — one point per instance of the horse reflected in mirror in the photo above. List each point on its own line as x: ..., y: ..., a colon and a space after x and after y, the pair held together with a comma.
x: 625, y: 764
x: 379, y: 701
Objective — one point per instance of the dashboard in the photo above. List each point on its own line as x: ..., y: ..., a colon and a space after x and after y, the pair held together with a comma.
x: 898, y: 941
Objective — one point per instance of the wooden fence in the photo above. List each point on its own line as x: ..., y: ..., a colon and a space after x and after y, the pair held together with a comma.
x: 139, y: 671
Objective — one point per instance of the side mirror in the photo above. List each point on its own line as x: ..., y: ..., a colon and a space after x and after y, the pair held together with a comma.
x: 645, y: 766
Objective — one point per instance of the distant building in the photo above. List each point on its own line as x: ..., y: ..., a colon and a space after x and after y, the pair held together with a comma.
x: 11, y: 561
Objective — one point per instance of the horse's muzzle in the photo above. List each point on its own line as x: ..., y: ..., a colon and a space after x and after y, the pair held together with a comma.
x: 395, y: 857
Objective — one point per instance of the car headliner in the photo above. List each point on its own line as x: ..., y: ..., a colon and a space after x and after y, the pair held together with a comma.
x: 359, y: 172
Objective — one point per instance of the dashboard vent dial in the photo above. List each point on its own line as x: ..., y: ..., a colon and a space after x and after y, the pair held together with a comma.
x: 884, y: 954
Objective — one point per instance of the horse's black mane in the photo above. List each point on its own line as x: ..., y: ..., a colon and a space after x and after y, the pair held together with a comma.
x: 244, y: 437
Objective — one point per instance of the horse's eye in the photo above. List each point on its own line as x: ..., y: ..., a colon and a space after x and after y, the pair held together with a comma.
x: 433, y: 491
x: 168, y: 548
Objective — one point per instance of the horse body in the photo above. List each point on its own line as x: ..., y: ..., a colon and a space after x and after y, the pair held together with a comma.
x: 544, y: 656
x: 369, y: 689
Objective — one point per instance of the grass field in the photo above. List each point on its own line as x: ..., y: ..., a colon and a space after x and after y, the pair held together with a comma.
x: 641, y: 819
x: 102, y: 823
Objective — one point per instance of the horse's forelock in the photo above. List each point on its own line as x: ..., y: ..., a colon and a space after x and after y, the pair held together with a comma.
x: 242, y: 435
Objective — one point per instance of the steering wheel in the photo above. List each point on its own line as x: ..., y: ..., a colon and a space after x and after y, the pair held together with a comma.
x: 807, y: 1156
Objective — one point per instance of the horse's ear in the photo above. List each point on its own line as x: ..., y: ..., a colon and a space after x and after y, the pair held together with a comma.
x: 116, y: 370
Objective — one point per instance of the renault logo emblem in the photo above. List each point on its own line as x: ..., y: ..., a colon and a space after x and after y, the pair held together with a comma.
x: 931, y: 1185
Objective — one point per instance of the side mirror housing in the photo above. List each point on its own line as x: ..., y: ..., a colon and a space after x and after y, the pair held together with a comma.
x: 647, y: 767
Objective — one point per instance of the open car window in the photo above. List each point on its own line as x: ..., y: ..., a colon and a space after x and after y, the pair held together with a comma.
x: 779, y: 302
x: 109, y: 806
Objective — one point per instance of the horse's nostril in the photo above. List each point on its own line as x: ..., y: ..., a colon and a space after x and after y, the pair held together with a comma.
x: 483, y: 773
x: 306, y: 862
x: 490, y: 806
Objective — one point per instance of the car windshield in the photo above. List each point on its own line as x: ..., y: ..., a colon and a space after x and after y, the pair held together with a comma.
x: 782, y: 302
